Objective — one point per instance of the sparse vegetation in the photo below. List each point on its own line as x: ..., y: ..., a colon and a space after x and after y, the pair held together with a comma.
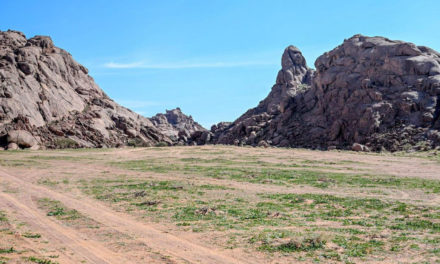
x: 7, y: 250
x: 292, y: 209
x: 137, y: 142
x: 282, y: 176
x: 64, y: 143
x: 161, y: 144
x: 55, y: 208
x: 3, y: 217
x: 31, y: 235
x: 40, y: 260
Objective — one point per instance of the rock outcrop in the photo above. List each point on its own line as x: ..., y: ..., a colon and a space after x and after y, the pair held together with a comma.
x: 49, y: 99
x: 260, y: 123
x: 373, y: 91
x: 369, y: 93
x: 176, y: 125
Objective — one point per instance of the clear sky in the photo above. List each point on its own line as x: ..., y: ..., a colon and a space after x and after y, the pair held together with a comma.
x: 214, y: 59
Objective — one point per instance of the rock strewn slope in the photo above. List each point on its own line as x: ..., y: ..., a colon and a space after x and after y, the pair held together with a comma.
x: 45, y: 92
x: 369, y: 90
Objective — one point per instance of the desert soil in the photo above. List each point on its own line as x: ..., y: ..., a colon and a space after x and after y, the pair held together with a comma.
x: 218, y: 204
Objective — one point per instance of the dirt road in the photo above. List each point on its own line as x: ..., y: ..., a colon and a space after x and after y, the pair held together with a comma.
x: 179, y: 249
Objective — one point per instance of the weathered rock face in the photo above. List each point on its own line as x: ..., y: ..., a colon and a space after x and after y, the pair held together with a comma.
x: 176, y: 125
x: 369, y: 90
x: 261, y: 123
x: 45, y: 92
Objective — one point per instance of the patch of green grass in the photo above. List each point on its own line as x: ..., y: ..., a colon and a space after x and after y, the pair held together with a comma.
x: 356, y: 247
x: 352, y: 211
x: 7, y: 250
x: 214, y: 187
x: 304, y: 244
x: 287, y: 241
x: 415, y: 224
x: 257, y: 174
x: 3, y: 217
x: 19, y: 163
x: 31, y: 235
x: 344, y: 204
x: 47, y: 182
x: 40, y: 260
x: 56, y: 208
x: 61, y: 157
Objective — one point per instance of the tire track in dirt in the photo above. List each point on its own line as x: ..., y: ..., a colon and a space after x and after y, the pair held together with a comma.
x: 160, y: 241
x: 89, y: 250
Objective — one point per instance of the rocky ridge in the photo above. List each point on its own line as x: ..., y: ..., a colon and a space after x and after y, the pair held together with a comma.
x: 369, y: 93
x: 47, y: 99
x: 176, y: 125
x: 373, y: 91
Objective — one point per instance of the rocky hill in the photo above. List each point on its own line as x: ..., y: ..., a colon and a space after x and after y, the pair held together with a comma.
x: 379, y: 92
x: 47, y: 99
x: 176, y: 125
x: 370, y: 92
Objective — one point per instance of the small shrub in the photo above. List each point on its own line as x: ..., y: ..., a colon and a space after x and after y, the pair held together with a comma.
x: 56, y: 211
x: 65, y: 143
x: 137, y: 142
x: 161, y: 144
x: 307, y: 244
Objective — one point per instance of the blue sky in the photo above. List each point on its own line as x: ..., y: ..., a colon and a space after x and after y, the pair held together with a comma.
x: 214, y: 59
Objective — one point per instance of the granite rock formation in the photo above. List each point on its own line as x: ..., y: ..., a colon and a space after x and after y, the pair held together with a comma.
x: 176, y: 125
x: 46, y: 95
x: 369, y: 93
x: 381, y: 93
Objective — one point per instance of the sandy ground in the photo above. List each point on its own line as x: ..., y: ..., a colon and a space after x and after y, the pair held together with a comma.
x: 153, y: 242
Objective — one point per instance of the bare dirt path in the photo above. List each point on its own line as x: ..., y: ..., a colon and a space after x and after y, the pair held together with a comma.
x: 60, y: 235
x: 165, y: 243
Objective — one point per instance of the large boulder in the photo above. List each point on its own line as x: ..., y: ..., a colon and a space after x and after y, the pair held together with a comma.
x: 22, y: 138
x: 12, y: 146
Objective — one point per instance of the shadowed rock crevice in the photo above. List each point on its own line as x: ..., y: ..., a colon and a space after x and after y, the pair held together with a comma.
x: 436, y: 117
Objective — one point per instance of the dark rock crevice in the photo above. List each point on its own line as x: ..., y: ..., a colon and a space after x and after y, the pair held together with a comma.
x: 435, y: 120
